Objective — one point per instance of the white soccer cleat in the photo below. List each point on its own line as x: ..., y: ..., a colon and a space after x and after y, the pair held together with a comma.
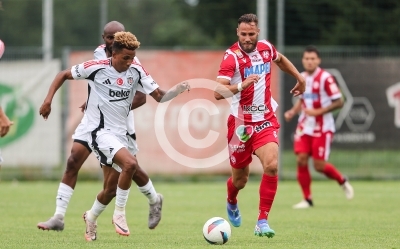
x: 121, y: 227
x: 303, y: 204
x: 348, y: 190
x: 91, y: 228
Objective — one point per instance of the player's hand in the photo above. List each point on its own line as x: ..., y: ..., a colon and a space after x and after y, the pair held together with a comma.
x: 289, y: 115
x: 45, y: 110
x: 252, y: 79
x: 183, y: 86
x: 299, y: 88
x: 5, y: 125
x: 313, y: 112
x: 83, y: 107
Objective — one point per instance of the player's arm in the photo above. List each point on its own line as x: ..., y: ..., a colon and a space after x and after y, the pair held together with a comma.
x: 289, y: 114
x: 163, y: 96
x: 138, y: 100
x: 5, y: 123
x: 225, y: 90
x: 336, y: 104
x: 58, y: 81
x: 287, y: 66
x: 226, y: 71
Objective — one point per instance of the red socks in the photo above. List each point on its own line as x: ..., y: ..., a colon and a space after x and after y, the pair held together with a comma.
x: 331, y: 172
x: 304, y: 179
x: 268, y: 187
x: 232, y: 192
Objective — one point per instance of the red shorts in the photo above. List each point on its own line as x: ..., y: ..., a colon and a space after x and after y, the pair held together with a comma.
x: 246, y: 137
x: 317, y: 147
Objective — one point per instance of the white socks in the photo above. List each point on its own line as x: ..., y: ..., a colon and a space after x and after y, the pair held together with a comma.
x: 120, y: 201
x: 64, y: 194
x: 95, y: 211
x: 149, y: 191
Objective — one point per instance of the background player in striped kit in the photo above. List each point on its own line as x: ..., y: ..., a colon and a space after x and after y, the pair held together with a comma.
x: 81, y: 150
x: 245, y: 73
x: 315, y: 128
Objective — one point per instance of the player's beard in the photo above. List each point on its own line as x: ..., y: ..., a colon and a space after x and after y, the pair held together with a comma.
x: 248, y: 47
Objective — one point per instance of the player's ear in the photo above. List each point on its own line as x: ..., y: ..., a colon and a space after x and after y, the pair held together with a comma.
x: 237, y: 31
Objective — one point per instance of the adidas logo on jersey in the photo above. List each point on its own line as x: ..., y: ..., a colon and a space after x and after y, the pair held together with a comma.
x: 107, y: 82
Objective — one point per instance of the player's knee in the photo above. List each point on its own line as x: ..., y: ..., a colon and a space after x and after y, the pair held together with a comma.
x: 130, y: 165
x: 73, y: 165
x: 302, y: 160
x: 319, y: 165
x: 271, y: 167
x: 240, y: 183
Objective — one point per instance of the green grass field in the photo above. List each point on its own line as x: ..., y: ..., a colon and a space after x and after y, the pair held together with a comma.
x: 371, y: 220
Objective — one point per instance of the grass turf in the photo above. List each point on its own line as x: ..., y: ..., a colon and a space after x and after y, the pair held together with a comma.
x: 371, y: 220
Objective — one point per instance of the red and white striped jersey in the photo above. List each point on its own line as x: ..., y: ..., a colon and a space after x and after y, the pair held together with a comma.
x: 321, y: 89
x: 254, y: 103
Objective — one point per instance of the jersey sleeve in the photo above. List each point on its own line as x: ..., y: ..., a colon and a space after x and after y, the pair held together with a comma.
x: 87, y: 70
x: 79, y: 72
x: 146, y: 83
x: 228, y: 67
x: 274, y: 53
x: 331, y: 88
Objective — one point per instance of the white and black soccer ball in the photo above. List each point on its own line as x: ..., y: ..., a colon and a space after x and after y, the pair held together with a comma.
x: 217, y: 231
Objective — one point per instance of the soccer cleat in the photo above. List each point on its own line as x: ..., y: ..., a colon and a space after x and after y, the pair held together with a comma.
x: 55, y: 223
x: 234, y: 215
x: 91, y: 233
x: 262, y: 229
x: 155, y: 212
x: 121, y: 227
x: 348, y: 190
x: 303, y: 204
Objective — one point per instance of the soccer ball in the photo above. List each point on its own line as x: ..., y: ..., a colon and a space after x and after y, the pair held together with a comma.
x: 216, y: 231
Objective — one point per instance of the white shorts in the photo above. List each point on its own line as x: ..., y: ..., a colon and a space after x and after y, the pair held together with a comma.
x: 1, y: 159
x: 81, y: 135
x: 130, y: 123
x: 105, y: 145
x: 132, y: 148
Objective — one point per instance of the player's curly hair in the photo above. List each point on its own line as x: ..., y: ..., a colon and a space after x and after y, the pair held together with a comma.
x: 248, y: 18
x: 125, y: 40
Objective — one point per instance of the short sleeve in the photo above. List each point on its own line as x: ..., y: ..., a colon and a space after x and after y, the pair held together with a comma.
x: 274, y: 52
x: 228, y: 67
x: 79, y: 72
x: 147, y: 84
x: 331, y: 88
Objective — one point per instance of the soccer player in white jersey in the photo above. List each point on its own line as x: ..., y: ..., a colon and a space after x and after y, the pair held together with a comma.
x: 115, y: 82
x: 315, y: 128
x: 245, y: 75
x: 81, y: 150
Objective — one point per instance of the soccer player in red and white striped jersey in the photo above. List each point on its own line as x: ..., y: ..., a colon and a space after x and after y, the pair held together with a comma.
x: 315, y: 128
x: 245, y: 75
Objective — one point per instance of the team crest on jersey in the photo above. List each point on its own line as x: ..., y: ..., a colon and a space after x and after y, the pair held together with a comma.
x: 265, y: 54
x: 238, y: 53
x: 130, y: 80
x: 120, y: 81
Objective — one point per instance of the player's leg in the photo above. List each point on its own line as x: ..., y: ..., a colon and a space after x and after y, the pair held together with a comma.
x: 240, y: 158
x: 320, y: 153
x: 302, y: 148
x: 234, y: 184
x: 268, y: 155
x: 79, y: 153
x: 102, y: 200
x: 145, y: 186
x: 128, y: 164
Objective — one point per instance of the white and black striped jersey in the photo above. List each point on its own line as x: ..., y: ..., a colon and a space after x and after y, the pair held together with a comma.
x: 114, y: 92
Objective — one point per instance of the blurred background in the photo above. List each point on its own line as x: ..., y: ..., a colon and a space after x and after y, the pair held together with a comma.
x: 186, y: 39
